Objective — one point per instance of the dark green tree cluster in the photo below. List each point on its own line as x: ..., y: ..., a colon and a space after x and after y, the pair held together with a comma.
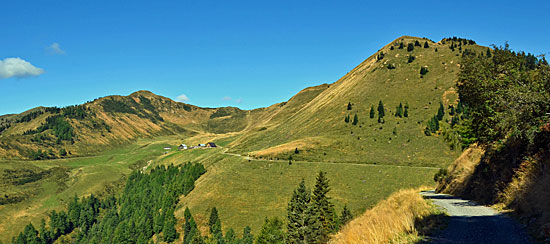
x: 311, y: 217
x: 60, y: 128
x: 145, y: 208
x: 417, y: 43
x: 433, y: 124
x: 380, y: 56
x: 458, y: 40
x: 507, y: 94
x: 76, y: 112
x: 30, y: 116
x: 432, y: 127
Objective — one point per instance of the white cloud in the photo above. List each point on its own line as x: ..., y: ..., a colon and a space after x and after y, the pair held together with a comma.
x: 55, y: 48
x: 239, y: 100
x: 182, y: 98
x: 19, y: 68
x: 226, y: 98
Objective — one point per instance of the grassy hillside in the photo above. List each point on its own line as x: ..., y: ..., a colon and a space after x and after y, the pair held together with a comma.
x: 31, y: 189
x: 318, y: 128
x: 109, y: 122
x: 245, y: 192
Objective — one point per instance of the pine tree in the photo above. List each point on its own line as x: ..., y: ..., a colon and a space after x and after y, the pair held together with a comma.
x: 297, y: 219
x: 346, y: 119
x: 213, y: 219
x: 230, y: 237
x: 346, y: 215
x: 440, y: 112
x: 435, y: 49
x: 417, y: 43
x: 488, y: 52
x: 401, y: 45
x: 400, y: 110
x: 169, y: 230
x: 321, y: 202
x: 426, y: 45
x: 423, y: 70
x: 410, y: 47
x: 410, y: 59
x: 296, y: 151
x: 355, y: 120
x: 272, y: 232
x: 394, y: 132
x: 371, y: 114
x: 248, y: 238
x: 380, y: 109
x: 349, y: 105
x: 189, y: 227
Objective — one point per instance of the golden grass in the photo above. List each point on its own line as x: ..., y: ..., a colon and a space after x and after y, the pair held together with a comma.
x: 387, y: 221
x: 461, y: 170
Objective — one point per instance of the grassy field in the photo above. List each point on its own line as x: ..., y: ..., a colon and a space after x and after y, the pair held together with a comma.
x: 57, y: 181
x: 245, y: 192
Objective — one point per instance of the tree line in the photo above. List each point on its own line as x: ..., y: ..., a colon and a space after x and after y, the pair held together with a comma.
x: 145, y: 208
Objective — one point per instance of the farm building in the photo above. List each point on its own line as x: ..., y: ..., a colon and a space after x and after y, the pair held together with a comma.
x: 182, y: 147
x: 211, y: 144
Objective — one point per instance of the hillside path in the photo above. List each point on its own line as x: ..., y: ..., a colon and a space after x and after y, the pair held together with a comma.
x: 473, y: 223
x: 355, y: 164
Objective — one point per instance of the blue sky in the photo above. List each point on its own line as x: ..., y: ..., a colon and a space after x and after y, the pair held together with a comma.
x: 247, y: 54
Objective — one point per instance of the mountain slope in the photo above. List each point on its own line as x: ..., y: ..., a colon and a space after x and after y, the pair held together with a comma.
x: 319, y: 129
x: 108, y: 121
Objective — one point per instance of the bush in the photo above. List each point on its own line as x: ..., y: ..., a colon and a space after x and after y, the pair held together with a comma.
x: 410, y: 47
x: 423, y: 70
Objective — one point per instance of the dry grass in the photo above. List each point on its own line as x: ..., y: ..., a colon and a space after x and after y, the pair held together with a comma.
x: 387, y: 221
x: 461, y: 170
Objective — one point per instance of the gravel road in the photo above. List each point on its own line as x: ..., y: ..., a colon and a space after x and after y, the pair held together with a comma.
x: 473, y: 223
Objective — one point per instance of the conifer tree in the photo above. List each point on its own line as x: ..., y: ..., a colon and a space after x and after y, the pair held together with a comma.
x: 272, y: 232
x: 297, y: 219
x: 406, y: 112
x: 230, y: 237
x: 401, y: 45
x: 349, y: 105
x: 426, y: 45
x: 346, y: 215
x: 355, y: 120
x: 169, y: 229
x: 488, y: 52
x: 248, y: 238
x: 380, y: 109
x: 346, y: 119
x: 435, y: 49
x: 410, y: 47
x: 417, y: 43
x: 440, y: 112
x: 189, y: 227
x: 213, y: 219
x: 371, y: 113
x: 296, y: 151
x: 321, y: 202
